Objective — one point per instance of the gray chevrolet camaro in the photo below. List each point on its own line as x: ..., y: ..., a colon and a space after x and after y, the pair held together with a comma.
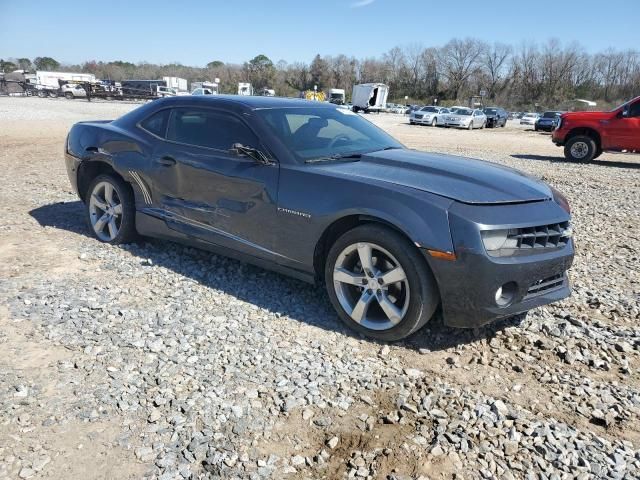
x: 319, y: 193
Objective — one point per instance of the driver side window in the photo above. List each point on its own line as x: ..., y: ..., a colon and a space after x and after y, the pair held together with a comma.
x: 634, y: 110
x: 209, y: 129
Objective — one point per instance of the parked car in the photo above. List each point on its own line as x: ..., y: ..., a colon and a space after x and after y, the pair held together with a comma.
x: 496, y: 116
x: 73, y: 90
x: 400, y: 109
x: 427, y: 115
x: 163, y: 91
x: 322, y: 194
x: 585, y: 135
x: 529, y: 118
x: 202, y: 91
x: 466, y: 118
x: 548, y: 121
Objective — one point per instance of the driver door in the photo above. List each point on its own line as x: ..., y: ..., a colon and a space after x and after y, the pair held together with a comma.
x: 624, y: 130
x: 205, y: 191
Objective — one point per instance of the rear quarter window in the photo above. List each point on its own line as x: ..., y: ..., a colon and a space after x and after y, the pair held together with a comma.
x: 157, y: 123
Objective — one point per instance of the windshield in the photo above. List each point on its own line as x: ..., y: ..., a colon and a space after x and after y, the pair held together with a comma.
x: 463, y: 111
x: 313, y: 132
x: 530, y: 115
x: 490, y: 111
x: 428, y: 109
x: 551, y: 114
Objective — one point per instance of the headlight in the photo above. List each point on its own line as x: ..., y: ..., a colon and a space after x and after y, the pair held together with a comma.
x: 561, y: 200
x: 498, y: 239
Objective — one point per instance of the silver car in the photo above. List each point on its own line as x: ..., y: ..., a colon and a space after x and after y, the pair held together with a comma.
x: 466, y: 118
x: 428, y: 116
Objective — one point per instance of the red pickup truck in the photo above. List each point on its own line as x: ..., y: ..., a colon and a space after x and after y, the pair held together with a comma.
x: 585, y: 135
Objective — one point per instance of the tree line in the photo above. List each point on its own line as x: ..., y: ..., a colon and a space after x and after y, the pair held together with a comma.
x: 518, y: 77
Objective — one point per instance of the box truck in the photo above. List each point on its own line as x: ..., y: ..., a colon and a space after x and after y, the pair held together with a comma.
x: 369, y: 97
x: 245, y: 88
x: 178, y: 83
x: 337, y: 96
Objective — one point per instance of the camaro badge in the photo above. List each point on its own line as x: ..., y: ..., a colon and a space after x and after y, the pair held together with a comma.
x: 294, y: 212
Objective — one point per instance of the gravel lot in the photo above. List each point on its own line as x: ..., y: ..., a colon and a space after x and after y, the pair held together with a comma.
x: 154, y: 360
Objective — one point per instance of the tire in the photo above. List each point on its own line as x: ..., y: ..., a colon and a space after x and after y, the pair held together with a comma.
x: 470, y: 127
x: 414, y: 297
x: 411, y: 123
x: 53, y: 94
x: 42, y: 93
x: 483, y: 125
x: 580, y: 148
x: 434, y: 122
x: 68, y: 95
x: 598, y: 153
x: 124, y: 222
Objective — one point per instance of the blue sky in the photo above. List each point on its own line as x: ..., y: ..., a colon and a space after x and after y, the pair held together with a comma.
x: 194, y: 33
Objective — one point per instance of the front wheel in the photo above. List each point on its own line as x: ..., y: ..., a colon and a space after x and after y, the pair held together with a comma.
x: 379, y: 284
x: 110, y: 210
x: 434, y: 122
x: 470, y: 127
x: 580, y: 149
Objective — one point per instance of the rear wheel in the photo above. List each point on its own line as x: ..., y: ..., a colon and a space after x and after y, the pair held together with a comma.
x: 68, y: 95
x: 110, y: 210
x: 580, y: 148
x: 379, y: 284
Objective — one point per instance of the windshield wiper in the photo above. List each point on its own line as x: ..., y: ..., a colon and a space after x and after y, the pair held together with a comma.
x: 337, y: 156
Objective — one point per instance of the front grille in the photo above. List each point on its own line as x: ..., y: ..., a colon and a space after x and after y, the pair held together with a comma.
x: 545, y: 285
x: 418, y: 116
x: 543, y: 236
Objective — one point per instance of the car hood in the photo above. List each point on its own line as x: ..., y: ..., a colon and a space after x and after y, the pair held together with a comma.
x: 458, y: 178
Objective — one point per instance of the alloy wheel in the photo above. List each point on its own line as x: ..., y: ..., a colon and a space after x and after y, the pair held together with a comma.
x: 105, y: 211
x: 371, y: 286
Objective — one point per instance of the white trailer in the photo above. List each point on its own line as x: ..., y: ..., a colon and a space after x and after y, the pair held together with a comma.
x: 245, y: 88
x: 178, y: 83
x: 50, y: 79
x: 369, y: 97
x: 337, y: 96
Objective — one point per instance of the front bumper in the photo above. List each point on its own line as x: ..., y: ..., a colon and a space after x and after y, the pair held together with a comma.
x: 456, y: 124
x: 558, y: 136
x: 421, y: 121
x: 468, y: 285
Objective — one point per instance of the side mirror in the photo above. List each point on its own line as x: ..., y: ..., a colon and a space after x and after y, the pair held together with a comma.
x: 242, y: 151
x: 625, y: 112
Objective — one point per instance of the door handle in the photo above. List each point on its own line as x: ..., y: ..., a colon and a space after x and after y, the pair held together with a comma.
x: 166, y: 161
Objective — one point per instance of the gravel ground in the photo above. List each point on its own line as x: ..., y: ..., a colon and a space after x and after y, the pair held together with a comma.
x: 155, y: 360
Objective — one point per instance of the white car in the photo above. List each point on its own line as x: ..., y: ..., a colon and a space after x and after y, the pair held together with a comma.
x: 529, y: 118
x: 73, y: 90
x: 202, y: 91
x: 399, y: 109
x: 428, y: 116
x: 466, y: 118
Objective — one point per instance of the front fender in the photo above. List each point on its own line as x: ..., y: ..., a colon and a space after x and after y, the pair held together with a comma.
x: 308, y: 204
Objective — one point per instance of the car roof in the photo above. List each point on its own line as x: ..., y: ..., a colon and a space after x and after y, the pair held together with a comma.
x: 252, y: 101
